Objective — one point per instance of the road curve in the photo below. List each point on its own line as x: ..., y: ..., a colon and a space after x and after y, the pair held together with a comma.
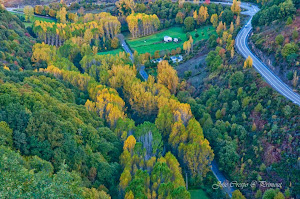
x: 242, y: 46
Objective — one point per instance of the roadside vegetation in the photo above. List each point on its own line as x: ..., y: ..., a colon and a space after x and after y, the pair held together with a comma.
x: 276, y: 40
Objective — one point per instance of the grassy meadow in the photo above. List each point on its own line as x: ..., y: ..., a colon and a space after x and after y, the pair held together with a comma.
x: 155, y: 42
x: 34, y: 19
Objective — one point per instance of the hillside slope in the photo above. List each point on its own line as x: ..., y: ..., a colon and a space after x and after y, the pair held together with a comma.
x: 271, y: 43
x: 46, y: 133
x: 276, y: 39
x: 15, y: 42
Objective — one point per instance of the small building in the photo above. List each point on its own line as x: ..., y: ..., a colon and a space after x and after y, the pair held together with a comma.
x: 157, y: 60
x: 167, y: 39
x: 175, y: 40
x: 176, y: 59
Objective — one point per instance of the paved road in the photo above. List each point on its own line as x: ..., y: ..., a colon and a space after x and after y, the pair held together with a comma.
x: 269, y: 76
x: 221, y: 178
x: 142, y: 71
x: 242, y: 46
x: 272, y: 79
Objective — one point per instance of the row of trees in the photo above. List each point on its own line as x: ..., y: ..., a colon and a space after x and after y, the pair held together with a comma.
x: 174, y: 120
x: 148, y: 100
x: 102, y: 27
x: 147, y: 172
x: 45, y: 10
x: 140, y: 24
x: 103, y: 101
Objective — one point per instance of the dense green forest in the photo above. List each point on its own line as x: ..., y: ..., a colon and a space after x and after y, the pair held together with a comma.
x: 42, y: 117
x: 76, y: 124
x: 45, y: 120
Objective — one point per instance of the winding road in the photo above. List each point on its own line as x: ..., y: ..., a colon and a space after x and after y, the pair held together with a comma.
x: 242, y: 46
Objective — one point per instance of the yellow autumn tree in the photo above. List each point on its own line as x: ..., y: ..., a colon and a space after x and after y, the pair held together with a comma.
x: 248, y: 63
x: 214, y: 20
x: 6, y: 68
x: 28, y: 12
x: 2, y: 3
x: 231, y: 29
x: 61, y: 15
x: 236, y: 7
x: 88, y: 36
x: 125, y: 7
x: 203, y: 14
x: 129, y: 143
x: 237, y: 21
x: 220, y: 27
x: 129, y: 195
x: 187, y: 46
x: 167, y: 76
x: 295, y: 79
x: 125, y: 179
x: 42, y: 52
x: 232, y: 53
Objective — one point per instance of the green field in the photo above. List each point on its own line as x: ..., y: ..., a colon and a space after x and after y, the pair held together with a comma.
x: 112, y: 52
x: 34, y: 19
x: 155, y: 42
x: 198, y: 194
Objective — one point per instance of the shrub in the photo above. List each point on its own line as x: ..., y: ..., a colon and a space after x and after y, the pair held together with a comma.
x: 289, y: 21
x: 188, y: 73
x: 289, y: 75
x: 288, y: 49
x: 279, y: 39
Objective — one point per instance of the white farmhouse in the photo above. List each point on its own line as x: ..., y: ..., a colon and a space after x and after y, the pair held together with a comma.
x: 167, y: 39
x: 175, y: 39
